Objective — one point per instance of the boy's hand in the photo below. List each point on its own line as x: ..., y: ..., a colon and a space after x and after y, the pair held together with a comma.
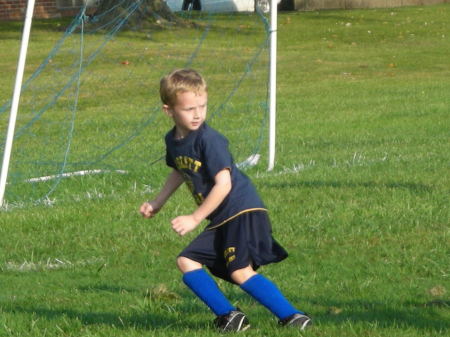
x: 184, y: 224
x: 148, y: 209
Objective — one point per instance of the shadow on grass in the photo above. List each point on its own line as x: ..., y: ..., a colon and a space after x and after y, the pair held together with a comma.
x: 422, y: 316
x: 51, y: 25
x: 13, y: 29
x: 145, y: 321
x: 413, y: 187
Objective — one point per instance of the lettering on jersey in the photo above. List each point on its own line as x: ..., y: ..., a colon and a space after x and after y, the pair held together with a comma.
x: 229, y: 255
x: 188, y: 182
x: 187, y: 163
x: 198, y: 197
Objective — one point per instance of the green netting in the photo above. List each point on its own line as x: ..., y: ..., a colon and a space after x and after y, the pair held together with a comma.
x: 90, y: 114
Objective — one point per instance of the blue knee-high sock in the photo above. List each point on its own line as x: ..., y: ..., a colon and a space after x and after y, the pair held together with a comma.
x: 267, y: 293
x: 207, y: 290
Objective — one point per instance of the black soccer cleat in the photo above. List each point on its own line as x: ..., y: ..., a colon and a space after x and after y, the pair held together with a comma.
x: 301, y: 321
x: 234, y: 321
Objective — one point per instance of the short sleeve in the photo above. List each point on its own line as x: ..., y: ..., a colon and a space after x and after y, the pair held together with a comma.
x: 169, y: 160
x: 216, y: 154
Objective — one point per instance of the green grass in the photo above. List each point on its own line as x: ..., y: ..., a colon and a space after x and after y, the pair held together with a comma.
x: 359, y: 195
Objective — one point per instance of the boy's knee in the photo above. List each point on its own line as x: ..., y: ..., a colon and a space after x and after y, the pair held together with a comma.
x: 242, y: 275
x: 186, y: 265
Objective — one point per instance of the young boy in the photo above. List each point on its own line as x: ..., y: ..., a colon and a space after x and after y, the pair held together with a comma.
x: 238, y: 238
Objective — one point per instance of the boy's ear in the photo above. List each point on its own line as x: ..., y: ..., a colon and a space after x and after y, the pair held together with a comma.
x: 167, y: 110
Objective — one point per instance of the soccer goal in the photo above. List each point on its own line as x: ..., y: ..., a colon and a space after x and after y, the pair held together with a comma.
x: 91, y: 112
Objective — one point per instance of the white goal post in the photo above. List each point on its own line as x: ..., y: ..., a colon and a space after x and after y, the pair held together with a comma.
x: 272, y: 82
x: 16, y: 97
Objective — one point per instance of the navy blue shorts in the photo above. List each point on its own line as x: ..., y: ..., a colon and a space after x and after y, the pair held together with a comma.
x: 242, y: 241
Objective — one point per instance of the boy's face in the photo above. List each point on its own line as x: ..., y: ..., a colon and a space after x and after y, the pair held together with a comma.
x: 189, y: 112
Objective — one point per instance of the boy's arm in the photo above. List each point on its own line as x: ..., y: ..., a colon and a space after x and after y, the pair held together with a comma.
x: 173, y: 181
x: 186, y: 223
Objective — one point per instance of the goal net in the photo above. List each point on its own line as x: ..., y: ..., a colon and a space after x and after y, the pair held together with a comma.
x: 90, y: 116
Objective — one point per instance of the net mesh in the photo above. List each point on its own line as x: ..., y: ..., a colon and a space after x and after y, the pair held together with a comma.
x: 91, y: 111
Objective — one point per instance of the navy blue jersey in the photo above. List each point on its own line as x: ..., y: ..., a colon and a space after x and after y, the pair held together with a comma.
x: 199, y: 157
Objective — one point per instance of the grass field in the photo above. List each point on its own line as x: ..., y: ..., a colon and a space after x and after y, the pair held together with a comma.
x: 359, y: 197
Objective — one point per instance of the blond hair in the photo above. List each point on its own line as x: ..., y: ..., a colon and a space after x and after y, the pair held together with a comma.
x: 178, y: 81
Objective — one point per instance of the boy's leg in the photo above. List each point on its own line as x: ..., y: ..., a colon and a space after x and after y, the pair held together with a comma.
x: 268, y: 294
x: 204, y: 286
x: 200, y: 252
x: 228, y: 318
x: 249, y: 243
